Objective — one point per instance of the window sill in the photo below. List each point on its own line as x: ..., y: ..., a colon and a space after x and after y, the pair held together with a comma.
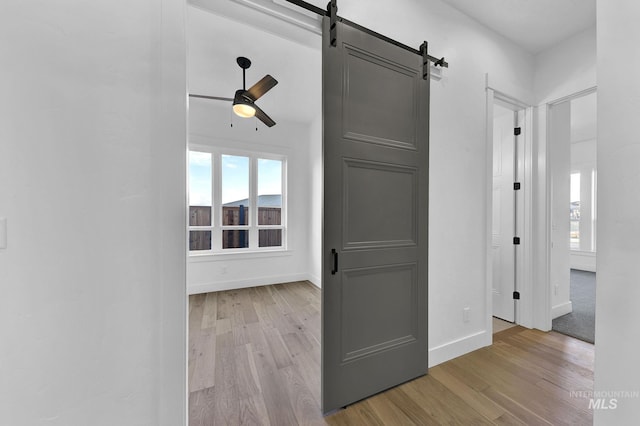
x: 237, y: 255
x: 583, y: 252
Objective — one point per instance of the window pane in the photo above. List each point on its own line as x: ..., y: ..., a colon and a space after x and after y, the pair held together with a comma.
x: 238, y: 215
x: 199, y: 215
x: 270, y: 238
x: 235, y: 190
x: 199, y: 188
x: 235, y: 239
x: 199, y: 240
x: 574, y: 216
x: 269, y: 192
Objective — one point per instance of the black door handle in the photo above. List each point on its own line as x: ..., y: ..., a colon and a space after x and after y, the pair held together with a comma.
x: 334, y: 256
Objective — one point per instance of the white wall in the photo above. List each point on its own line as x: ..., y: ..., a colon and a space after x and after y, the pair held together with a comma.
x: 583, y: 154
x: 315, y: 207
x: 618, y: 292
x: 583, y: 160
x: 458, y: 170
x: 92, y: 183
x: 560, y: 167
x: 567, y: 68
x: 209, y: 125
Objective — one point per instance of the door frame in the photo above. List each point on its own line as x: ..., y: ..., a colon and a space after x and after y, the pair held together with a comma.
x: 524, y: 260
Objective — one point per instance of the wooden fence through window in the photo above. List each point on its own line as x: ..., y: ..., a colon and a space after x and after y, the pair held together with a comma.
x: 233, y: 216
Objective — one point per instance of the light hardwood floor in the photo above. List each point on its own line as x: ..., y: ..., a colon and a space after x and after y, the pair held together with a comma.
x: 501, y: 325
x: 254, y: 359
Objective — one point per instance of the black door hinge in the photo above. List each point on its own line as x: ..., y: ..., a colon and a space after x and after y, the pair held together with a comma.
x: 516, y: 240
x: 517, y: 131
x: 516, y: 295
x: 516, y: 186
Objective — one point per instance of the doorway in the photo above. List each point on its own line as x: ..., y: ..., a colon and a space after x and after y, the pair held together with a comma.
x: 232, y: 317
x: 254, y: 312
x: 573, y: 177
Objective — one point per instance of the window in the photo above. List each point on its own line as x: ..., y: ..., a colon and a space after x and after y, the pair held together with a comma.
x: 582, y: 216
x: 200, y: 193
x: 236, y: 202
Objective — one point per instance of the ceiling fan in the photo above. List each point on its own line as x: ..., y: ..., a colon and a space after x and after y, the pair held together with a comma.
x: 244, y: 99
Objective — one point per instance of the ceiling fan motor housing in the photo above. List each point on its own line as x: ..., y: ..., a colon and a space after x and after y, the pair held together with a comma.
x: 244, y: 99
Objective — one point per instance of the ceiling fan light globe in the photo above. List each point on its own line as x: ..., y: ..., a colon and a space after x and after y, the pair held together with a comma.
x: 244, y: 110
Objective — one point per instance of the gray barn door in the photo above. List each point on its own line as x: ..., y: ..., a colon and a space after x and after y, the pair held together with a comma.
x: 374, y: 311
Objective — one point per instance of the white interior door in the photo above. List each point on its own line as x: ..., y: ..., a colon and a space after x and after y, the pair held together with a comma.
x: 504, y: 203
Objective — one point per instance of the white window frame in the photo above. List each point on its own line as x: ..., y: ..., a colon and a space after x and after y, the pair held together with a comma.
x: 253, y: 227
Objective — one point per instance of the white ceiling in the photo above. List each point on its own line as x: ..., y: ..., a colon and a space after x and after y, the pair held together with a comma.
x: 221, y: 30
x: 535, y: 25
x: 214, y: 43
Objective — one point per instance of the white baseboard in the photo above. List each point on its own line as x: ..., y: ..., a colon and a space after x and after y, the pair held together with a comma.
x: 561, y: 309
x: 583, y: 260
x: 253, y: 282
x: 459, y: 347
x: 315, y: 280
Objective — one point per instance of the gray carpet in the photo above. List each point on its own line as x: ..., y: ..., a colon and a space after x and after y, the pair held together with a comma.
x: 581, y: 323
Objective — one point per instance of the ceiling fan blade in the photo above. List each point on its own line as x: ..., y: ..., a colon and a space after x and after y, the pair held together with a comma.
x: 215, y: 98
x: 261, y: 87
x: 262, y: 116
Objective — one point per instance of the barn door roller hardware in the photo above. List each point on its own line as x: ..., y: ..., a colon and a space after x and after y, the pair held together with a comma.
x: 332, y: 13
